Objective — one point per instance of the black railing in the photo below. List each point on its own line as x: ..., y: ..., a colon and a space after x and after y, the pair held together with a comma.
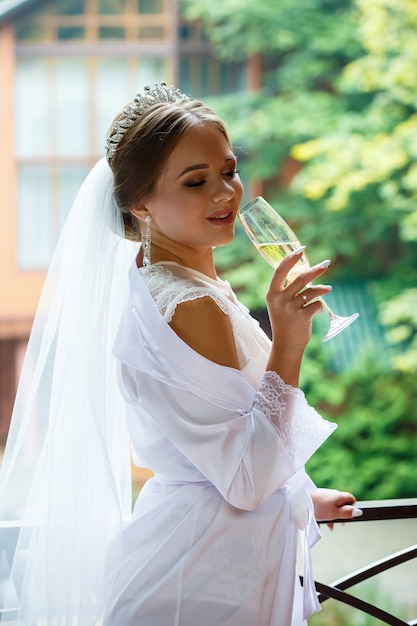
x: 373, y: 511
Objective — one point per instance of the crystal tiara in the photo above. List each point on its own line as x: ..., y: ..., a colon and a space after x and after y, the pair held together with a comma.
x: 160, y: 93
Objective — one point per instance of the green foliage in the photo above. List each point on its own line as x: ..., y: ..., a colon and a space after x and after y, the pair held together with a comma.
x: 339, y: 96
x: 332, y: 132
x: 243, y: 27
x: 303, y: 45
x: 400, y: 316
x: 371, y: 160
x: 372, y: 451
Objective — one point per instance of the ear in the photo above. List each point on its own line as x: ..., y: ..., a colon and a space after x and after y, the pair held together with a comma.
x: 139, y: 210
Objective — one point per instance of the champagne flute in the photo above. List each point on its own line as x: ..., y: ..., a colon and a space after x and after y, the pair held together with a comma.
x: 274, y: 239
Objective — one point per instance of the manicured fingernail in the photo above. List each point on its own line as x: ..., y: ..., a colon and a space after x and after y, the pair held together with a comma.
x: 357, y: 512
x: 299, y: 250
x: 322, y: 265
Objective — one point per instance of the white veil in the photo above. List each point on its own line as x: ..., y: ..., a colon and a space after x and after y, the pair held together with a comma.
x: 65, y: 478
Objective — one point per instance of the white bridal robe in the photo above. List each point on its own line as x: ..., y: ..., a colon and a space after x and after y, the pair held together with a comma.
x: 213, y: 537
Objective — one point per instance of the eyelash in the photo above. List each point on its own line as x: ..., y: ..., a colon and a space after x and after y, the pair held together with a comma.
x: 199, y: 183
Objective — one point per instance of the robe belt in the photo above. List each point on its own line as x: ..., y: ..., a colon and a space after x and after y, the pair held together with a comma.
x: 298, y: 488
x: 165, y: 480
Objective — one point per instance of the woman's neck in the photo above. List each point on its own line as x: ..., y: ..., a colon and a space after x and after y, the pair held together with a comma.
x: 199, y: 260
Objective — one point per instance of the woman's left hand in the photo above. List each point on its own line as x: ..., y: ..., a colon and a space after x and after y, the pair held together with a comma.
x: 330, y: 504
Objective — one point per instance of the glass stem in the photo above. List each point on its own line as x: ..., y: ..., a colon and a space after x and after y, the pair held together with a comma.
x: 327, y: 309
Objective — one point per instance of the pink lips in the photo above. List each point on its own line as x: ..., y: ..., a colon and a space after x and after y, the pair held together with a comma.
x: 221, y: 217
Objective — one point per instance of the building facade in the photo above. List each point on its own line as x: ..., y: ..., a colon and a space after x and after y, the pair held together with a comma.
x: 66, y: 67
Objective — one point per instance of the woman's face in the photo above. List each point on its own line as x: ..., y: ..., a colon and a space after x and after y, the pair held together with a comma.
x: 196, y: 198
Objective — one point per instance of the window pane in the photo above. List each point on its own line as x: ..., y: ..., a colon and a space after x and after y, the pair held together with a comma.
x: 232, y: 77
x: 69, y: 181
x: 112, y: 95
x: 150, y: 6
x: 70, y: 32
x: 35, y: 241
x: 118, y: 80
x: 71, y: 107
x: 208, y: 77
x: 111, y: 7
x: 150, y: 71
x: 184, y: 76
x: 151, y: 32
x: 70, y: 7
x: 32, y: 127
x: 45, y: 197
x: 191, y: 31
x: 30, y: 27
x: 111, y: 32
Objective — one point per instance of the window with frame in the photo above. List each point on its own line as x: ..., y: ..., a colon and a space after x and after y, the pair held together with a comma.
x: 96, y: 20
x: 78, y: 63
x: 61, y: 134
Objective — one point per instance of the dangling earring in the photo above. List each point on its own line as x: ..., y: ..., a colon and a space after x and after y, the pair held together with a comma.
x: 147, y: 243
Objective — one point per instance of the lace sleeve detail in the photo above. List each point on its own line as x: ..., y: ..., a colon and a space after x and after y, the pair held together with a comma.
x: 168, y: 291
x: 301, y: 428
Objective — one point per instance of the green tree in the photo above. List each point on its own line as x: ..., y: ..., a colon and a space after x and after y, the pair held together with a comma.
x: 339, y: 95
x: 303, y: 47
x: 371, y: 453
x: 370, y: 160
x: 332, y: 134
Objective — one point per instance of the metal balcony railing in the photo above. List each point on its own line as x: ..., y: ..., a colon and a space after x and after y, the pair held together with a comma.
x: 373, y: 511
x: 337, y: 590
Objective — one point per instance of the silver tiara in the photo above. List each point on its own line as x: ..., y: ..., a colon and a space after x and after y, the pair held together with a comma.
x: 160, y: 93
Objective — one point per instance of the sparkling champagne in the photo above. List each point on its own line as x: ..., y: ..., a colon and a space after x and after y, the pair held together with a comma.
x: 275, y: 252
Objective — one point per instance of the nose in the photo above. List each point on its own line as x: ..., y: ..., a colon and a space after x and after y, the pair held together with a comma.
x: 224, y: 191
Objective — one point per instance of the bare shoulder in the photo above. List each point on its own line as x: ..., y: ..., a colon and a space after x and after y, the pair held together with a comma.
x: 207, y: 330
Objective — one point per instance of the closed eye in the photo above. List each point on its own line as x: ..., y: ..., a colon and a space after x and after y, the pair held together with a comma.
x: 194, y: 183
x: 231, y: 174
x: 199, y: 183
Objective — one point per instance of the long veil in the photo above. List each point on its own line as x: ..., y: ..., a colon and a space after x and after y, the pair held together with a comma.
x: 65, y: 477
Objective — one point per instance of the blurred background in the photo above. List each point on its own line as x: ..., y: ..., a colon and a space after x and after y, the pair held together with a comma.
x: 320, y: 98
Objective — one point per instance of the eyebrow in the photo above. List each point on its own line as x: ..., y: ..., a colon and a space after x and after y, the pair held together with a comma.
x: 202, y: 166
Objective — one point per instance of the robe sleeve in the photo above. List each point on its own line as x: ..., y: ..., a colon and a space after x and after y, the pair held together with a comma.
x: 246, y: 442
x: 297, y: 423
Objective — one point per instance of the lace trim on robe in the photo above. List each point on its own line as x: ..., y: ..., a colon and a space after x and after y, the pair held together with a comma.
x: 168, y: 291
x: 301, y: 428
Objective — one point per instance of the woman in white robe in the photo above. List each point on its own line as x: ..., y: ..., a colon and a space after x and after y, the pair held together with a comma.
x: 213, y: 411
x: 212, y: 406
x: 214, y: 533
